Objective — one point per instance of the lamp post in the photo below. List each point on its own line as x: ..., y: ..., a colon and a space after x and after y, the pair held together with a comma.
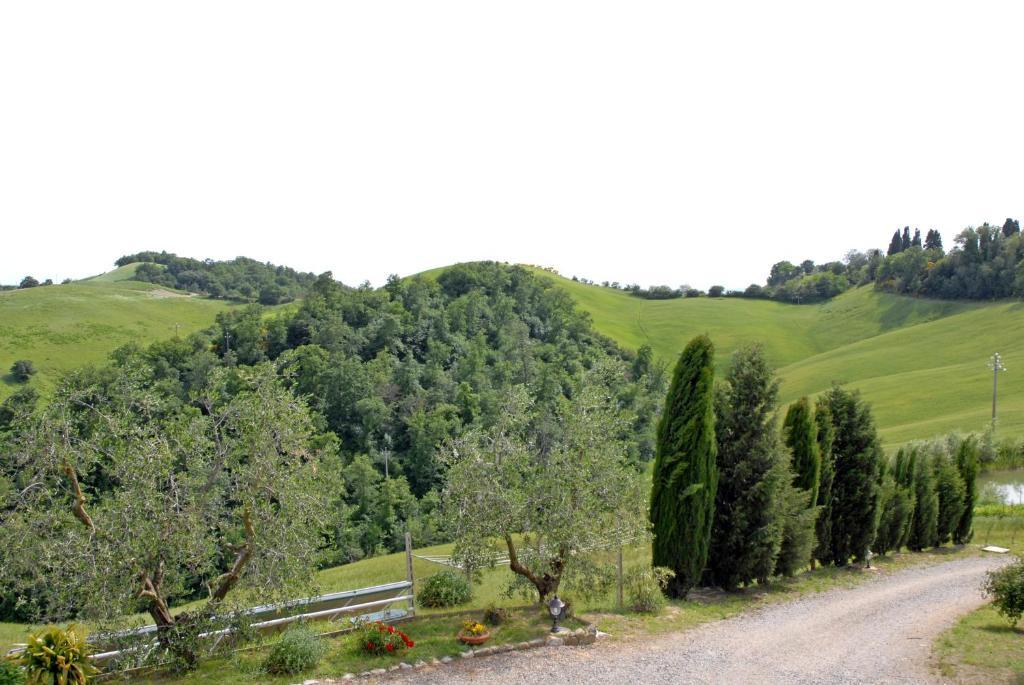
x: 996, y: 364
x: 557, y: 608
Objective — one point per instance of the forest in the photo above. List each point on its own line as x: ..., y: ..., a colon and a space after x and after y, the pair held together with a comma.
x: 383, y: 377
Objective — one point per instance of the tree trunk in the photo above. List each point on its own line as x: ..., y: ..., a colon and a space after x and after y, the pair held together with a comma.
x: 547, y: 583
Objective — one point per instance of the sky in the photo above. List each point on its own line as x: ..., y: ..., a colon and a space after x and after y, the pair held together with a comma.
x: 647, y: 142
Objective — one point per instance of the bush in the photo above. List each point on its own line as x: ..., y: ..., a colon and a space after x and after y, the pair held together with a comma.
x: 22, y: 370
x: 495, y: 615
x: 58, y: 656
x: 10, y: 674
x: 645, y: 588
x: 445, y: 589
x: 1006, y: 587
x: 298, y: 650
x: 378, y: 639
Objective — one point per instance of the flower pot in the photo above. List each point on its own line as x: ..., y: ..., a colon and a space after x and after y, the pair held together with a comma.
x: 471, y: 639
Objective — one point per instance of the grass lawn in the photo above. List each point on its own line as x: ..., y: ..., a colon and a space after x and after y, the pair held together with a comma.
x: 434, y: 638
x: 981, y: 648
x: 64, y: 327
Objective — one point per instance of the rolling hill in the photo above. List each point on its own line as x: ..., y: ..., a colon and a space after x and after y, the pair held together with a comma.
x: 62, y: 327
x: 920, y: 363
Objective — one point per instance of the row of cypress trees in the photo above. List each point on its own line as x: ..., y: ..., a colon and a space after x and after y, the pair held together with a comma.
x: 734, y: 502
x: 928, y: 495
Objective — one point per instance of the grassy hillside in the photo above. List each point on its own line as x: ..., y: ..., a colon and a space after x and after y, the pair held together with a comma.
x: 921, y: 363
x: 62, y: 327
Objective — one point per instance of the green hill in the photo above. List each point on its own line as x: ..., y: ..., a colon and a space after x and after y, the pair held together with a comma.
x: 62, y: 327
x: 921, y: 363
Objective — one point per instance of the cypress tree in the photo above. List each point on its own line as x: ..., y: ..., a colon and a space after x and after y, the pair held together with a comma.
x: 967, y: 464
x: 905, y: 239
x: 933, y: 240
x: 685, y: 474
x: 858, y: 458
x: 896, y: 244
x: 949, y: 487
x: 748, y: 526
x: 1011, y: 227
x: 895, y: 507
x: 916, y: 241
x: 823, y: 525
x: 924, y: 520
x: 799, y: 516
x: 802, y: 440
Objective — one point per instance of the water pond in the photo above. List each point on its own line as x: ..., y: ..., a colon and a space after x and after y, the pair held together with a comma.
x: 1003, y: 486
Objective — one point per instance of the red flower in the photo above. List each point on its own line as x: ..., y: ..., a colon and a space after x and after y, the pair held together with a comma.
x: 391, y: 629
x: 410, y: 643
x: 391, y: 647
x: 369, y: 645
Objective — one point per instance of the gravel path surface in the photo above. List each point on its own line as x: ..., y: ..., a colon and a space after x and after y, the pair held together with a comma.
x: 878, y: 632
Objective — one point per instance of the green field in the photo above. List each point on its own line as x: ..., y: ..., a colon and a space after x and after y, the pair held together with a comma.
x: 63, y: 327
x: 920, y: 363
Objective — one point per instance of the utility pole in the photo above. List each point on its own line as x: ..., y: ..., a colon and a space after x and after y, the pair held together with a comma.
x: 996, y: 364
x: 227, y: 342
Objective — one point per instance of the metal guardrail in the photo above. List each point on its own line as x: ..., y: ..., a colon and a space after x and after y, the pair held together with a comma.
x: 268, y: 618
x: 368, y: 603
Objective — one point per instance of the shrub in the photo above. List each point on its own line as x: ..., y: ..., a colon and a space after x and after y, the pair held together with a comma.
x: 298, y: 650
x: 22, y: 370
x: 377, y: 638
x: 1006, y: 587
x: 445, y: 589
x: 645, y: 588
x: 58, y: 656
x: 495, y: 615
x: 10, y: 674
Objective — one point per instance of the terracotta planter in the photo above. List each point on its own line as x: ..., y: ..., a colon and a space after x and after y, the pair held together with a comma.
x: 474, y: 639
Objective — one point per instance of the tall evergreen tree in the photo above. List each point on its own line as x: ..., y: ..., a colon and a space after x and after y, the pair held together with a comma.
x: 896, y: 244
x: 933, y: 240
x: 895, y: 508
x: 1011, y: 227
x: 967, y: 464
x: 799, y: 515
x: 747, y: 533
x: 916, y: 241
x: 905, y: 238
x: 685, y: 472
x: 923, y: 522
x: 800, y: 494
x: 949, y: 487
x: 858, y: 457
x: 801, y: 435
x: 823, y: 525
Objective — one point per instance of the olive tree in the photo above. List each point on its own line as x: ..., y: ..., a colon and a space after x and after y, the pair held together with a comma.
x: 547, y: 501
x: 125, y: 500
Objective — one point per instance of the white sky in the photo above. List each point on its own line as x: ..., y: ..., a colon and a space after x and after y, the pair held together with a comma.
x: 631, y: 141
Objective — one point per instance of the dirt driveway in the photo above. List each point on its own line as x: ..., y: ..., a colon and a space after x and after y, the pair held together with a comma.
x: 878, y: 632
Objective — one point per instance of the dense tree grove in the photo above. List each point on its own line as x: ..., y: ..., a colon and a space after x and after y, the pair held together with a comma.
x: 685, y: 478
x: 388, y: 375
x: 241, y: 279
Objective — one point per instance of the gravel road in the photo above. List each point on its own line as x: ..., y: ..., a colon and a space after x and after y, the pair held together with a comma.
x: 878, y: 632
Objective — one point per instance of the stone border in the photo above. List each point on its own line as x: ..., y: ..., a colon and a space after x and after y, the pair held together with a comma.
x: 564, y: 638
